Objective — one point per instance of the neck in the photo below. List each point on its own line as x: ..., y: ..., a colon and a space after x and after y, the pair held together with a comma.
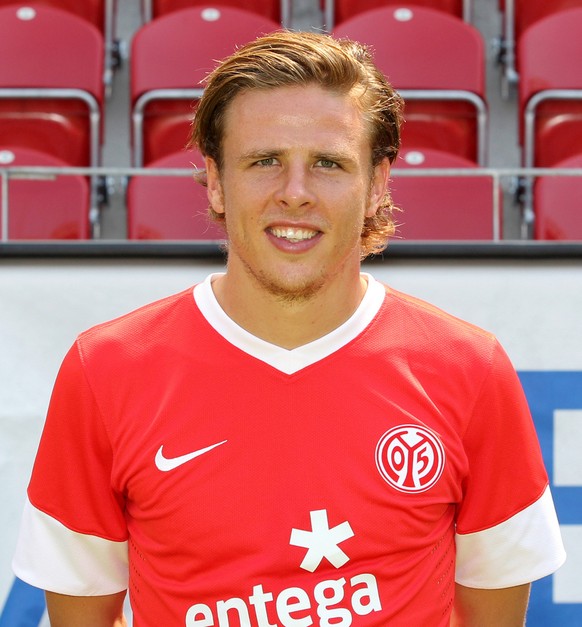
x: 288, y: 322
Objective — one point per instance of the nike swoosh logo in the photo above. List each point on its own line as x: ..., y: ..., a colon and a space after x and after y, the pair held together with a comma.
x: 169, y: 463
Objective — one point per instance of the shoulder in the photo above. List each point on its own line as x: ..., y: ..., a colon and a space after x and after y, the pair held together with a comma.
x: 145, y: 327
x: 435, y: 343
x: 421, y: 315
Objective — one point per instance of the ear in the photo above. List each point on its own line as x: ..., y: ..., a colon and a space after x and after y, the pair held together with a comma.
x: 378, y: 187
x: 214, y: 186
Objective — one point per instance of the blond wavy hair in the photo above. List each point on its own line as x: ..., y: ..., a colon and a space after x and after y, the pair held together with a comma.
x: 286, y: 58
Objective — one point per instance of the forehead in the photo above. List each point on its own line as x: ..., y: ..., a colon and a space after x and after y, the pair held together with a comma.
x: 295, y: 114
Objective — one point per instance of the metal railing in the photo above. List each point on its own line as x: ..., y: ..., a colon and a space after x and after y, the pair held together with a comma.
x: 457, y: 95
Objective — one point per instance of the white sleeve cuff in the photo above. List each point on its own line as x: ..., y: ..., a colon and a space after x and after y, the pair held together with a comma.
x: 522, y: 549
x: 52, y: 557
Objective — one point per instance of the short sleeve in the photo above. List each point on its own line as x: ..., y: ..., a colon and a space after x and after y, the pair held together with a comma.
x: 74, y: 519
x: 507, y: 529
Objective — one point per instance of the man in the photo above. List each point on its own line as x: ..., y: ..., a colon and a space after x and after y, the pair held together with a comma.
x: 291, y: 443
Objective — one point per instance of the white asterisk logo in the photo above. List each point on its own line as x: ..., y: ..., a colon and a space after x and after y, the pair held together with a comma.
x: 322, y: 541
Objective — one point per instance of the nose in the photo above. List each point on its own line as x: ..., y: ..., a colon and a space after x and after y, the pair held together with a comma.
x: 295, y: 190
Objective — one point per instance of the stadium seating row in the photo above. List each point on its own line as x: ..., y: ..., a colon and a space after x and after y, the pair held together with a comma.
x: 445, y: 110
x: 52, y: 106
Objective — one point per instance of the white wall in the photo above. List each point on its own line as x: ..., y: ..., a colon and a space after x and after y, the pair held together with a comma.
x: 535, y: 308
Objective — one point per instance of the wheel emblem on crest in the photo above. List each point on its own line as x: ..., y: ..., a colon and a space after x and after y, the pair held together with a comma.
x: 410, y: 458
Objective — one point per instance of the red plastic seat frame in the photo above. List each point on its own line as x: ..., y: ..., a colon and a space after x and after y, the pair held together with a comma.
x: 436, y: 61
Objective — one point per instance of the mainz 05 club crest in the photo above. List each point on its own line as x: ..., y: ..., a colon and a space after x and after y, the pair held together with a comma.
x: 410, y: 458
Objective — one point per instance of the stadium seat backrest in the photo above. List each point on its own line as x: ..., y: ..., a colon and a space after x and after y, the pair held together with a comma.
x: 549, y: 59
x: 440, y: 55
x: 170, y: 208
x: 90, y: 10
x: 442, y: 207
x: 517, y: 17
x: 527, y: 12
x: 419, y: 48
x: 558, y: 204
x: 176, y: 52
x: 100, y: 13
x: 49, y: 49
x: 267, y: 8
x: 47, y: 208
x: 343, y: 10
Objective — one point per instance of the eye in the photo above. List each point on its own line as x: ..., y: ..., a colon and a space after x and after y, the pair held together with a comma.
x: 266, y: 162
x: 326, y: 163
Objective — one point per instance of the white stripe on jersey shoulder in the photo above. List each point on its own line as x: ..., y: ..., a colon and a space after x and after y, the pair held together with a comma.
x: 289, y: 361
x: 52, y: 557
x: 522, y: 549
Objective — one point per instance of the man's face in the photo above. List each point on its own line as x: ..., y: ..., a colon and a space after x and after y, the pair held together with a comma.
x: 295, y: 186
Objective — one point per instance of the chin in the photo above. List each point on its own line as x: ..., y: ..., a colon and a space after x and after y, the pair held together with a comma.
x: 293, y: 289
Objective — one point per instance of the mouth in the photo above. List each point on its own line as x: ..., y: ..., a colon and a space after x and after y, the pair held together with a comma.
x: 292, y: 234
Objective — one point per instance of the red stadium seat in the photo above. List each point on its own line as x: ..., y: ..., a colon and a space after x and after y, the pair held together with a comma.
x: 51, y: 90
x: 170, y: 57
x: 436, y: 61
x: 91, y: 10
x: 558, y: 204
x: 276, y: 10
x: 47, y: 208
x: 518, y: 16
x: 527, y: 12
x: 170, y: 208
x: 550, y: 89
x: 100, y: 13
x: 338, y: 11
x: 443, y: 207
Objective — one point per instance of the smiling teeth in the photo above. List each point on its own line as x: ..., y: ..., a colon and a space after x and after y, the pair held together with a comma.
x: 293, y: 235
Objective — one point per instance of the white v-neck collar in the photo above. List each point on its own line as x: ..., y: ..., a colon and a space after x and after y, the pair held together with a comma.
x: 289, y: 361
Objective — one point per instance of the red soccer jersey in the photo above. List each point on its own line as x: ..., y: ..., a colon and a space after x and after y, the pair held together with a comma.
x: 236, y: 483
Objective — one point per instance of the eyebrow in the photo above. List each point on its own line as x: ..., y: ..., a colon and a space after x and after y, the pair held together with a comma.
x: 257, y: 155
x: 267, y: 153
x: 340, y: 157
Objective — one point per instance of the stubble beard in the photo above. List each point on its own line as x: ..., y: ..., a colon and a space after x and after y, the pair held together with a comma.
x: 287, y: 293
